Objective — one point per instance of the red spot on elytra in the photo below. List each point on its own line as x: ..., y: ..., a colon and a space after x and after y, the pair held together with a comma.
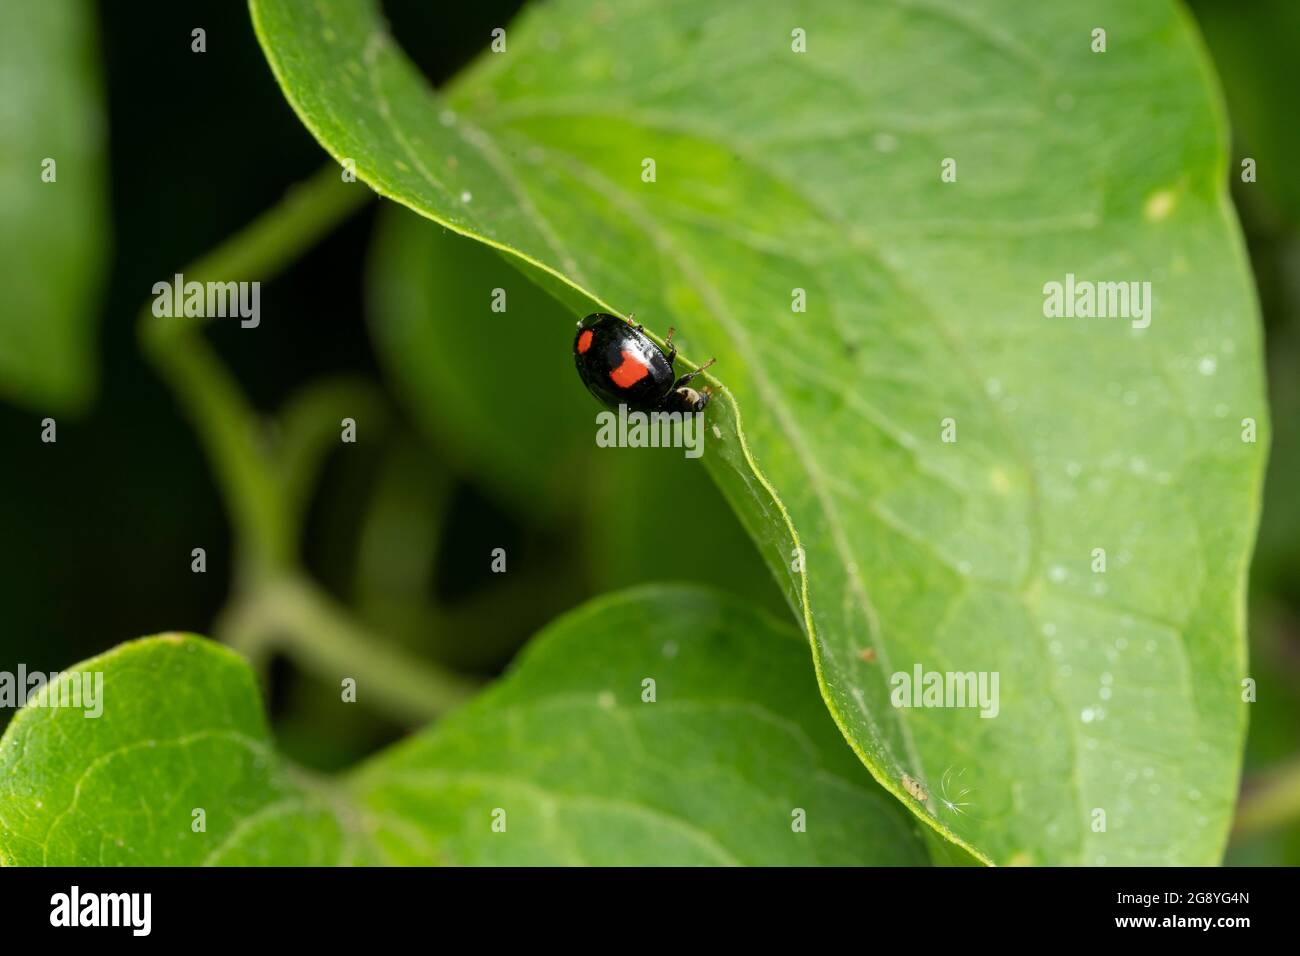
x: 631, y: 371
x: 584, y: 341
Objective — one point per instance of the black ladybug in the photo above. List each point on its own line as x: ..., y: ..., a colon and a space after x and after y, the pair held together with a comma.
x: 620, y: 364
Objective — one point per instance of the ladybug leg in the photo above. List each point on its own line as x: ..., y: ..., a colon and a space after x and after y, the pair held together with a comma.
x: 672, y: 349
x: 686, y: 379
x: 631, y: 320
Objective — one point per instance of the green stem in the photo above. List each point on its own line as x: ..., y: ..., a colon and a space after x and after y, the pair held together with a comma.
x: 297, y: 616
x: 265, y: 488
x: 309, y: 429
x: 227, y: 424
x: 1268, y: 801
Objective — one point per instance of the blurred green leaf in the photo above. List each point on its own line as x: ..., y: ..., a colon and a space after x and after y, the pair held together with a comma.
x: 733, y: 752
x: 778, y: 171
x: 481, y: 384
x: 54, y: 233
x: 650, y: 516
x: 1255, y: 49
x: 407, y: 543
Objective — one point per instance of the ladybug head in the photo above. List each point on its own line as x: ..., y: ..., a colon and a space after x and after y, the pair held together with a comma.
x: 685, y: 399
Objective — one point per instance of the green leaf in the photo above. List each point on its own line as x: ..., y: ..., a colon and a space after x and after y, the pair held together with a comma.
x: 518, y: 424
x: 54, y: 233
x: 777, y: 171
x: 711, y: 772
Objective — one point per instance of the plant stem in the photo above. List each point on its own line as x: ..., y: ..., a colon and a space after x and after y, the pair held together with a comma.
x: 1268, y: 801
x: 309, y: 428
x: 227, y: 424
x: 296, y: 615
x: 265, y: 488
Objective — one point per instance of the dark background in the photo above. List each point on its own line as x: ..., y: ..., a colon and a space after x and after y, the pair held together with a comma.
x: 187, y: 171
x: 97, y: 529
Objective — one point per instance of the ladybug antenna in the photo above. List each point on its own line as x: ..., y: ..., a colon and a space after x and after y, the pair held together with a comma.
x: 669, y: 339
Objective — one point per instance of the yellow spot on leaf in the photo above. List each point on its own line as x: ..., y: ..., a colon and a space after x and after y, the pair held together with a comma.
x: 1159, y: 205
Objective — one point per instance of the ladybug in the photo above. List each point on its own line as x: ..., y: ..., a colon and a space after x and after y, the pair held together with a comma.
x: 621, y: 365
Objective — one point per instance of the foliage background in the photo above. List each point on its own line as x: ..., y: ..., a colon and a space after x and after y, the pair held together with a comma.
x: 97, y: 529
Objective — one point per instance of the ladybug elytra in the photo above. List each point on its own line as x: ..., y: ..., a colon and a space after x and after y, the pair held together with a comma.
x: 621, y: 365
